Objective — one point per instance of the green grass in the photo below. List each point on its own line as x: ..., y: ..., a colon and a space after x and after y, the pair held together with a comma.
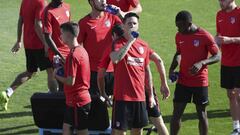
x: 157, y: 27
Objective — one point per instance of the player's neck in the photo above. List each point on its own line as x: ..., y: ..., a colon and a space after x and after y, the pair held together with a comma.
x: 231, y: 7
x: 73, y: 43
x: 96, y: 14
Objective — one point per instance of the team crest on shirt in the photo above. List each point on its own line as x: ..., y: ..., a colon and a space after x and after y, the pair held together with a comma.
x: 107, y: 23
x: 232, y: 20
x: 140, y: 50
x: 68, y: 13
x: 196, y: 43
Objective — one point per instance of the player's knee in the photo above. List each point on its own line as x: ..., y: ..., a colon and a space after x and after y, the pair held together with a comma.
x: 233, y: 95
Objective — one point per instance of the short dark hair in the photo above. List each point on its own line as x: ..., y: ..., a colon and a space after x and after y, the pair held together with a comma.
x: 184, y: 16
x: 70, y: 27
x: 128, y: 15
x: 118, y: 30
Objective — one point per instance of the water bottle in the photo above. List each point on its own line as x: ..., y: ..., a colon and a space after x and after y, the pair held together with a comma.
x: 111, y: 10
x: 57, y: 64
x: 135, y: 34
x: 173, y: 77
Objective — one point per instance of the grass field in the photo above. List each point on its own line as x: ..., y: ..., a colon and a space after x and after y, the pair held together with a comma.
x: 157, y: 27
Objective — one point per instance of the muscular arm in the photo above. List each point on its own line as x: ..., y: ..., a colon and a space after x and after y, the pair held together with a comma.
x: 211, y: 60
x: 162, y: 72
x: 38, y: 30
x: 17, y: 45
x: 174, y: 63
x: 52, y: 45
x: 66, y: 80
x: 117, y: 56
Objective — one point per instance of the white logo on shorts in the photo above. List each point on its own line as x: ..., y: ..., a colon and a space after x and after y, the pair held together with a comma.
x: 117, y: 124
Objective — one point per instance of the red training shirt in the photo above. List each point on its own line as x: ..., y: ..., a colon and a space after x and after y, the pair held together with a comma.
x: 129, y: 73
x: 124, y: 5
x: 194, y: 48
x: 53, y: 18
x: 77, y: 65
x: 95, y: 34
x: 228, y: 24
x: 29, y: 11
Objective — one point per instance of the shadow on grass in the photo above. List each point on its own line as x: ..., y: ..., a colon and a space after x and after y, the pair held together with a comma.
x: 15, y: 114
x: 23, y: 132
x: 14, y: 128
x: 192, y: 116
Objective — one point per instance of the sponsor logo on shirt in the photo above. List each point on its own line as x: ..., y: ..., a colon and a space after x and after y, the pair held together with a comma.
x: 181, y: 42
x: 134, y: 61
x: 219, y: 21
x: 232, y: 20
x: 141, y: 50
x: 196, y: 43
x: 68, y: 13
x: 108, y: 23
x: 93, y: 27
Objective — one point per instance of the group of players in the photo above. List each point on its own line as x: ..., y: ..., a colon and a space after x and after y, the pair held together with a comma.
x: 102, y: 58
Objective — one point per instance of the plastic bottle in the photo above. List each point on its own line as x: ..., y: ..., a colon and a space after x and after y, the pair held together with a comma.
x: 174, y: 77
x: 111, y: 10
x: 57, y: 64
x: 135, y: 34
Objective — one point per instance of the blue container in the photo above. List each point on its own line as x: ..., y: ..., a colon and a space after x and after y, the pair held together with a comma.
x: 135, y: 34
x: 111, y: 10
x: 174, y: 77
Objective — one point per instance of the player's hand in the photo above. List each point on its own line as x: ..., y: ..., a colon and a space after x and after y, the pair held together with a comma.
x: 223, y: 40
x: 165, y: 91
x: 16, y: 47
x: 196, y: 67
x: 152, y: 102
x: 106, y: 98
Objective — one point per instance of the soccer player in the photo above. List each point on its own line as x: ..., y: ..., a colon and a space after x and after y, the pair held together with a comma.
x: 228, y: 38
x: 95, y: 34
x: 193, y: 45
x: 126, y: 6
x: 76, y: 82
x: 56, y: 13
x: 131, y: 62
x: 29, y: 22
x: 154, y: 112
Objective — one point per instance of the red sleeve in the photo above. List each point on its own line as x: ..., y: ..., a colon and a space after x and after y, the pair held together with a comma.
x: 211, y: 45
x: 82, y: 31
x: 72, y: 71
x: 133, y: 3
x: 21, y: 10
x: 177, y: 44
x: 39, y: 9
x: 47, y: 26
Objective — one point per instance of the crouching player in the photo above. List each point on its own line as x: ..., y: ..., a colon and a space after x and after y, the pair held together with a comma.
x: 76, y: 81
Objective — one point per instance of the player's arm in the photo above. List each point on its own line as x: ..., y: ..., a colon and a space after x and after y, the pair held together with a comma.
x: 162, y: 72
x: 211, y: 60
x: 117, y: 56
x: 17, y: 45
x: 38, y: 29
x: 226, y: 40
x: 51, y: 44
x: 65, y: 80
x: 174, y: 63
x: 149, y: 85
